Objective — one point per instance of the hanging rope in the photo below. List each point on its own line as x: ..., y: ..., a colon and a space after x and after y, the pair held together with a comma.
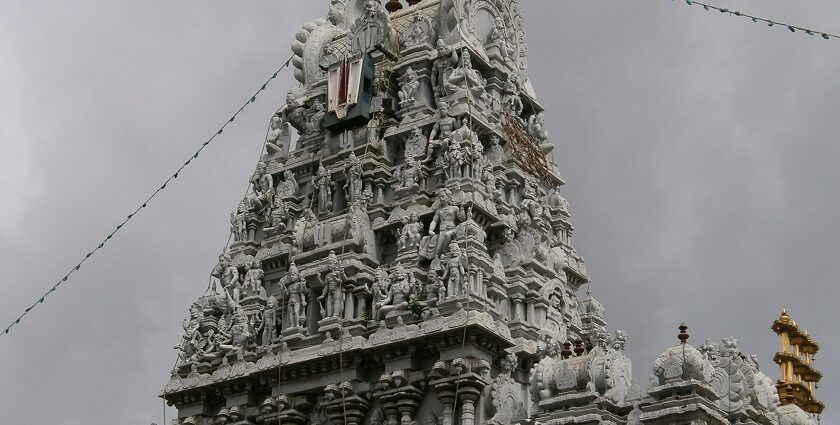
x: 770, y: 23
x: 145, y: 203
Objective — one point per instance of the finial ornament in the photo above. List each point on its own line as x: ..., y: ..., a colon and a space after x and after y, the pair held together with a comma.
x: 683, y: 336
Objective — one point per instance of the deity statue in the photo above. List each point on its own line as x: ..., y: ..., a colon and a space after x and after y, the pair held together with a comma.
x: 240, y: 332
x: 398, y: 296
x: 410, y: 84
x: 226, y: 273
x: 268, y: 325
x: 279, y: 214
x: 354, y: 186
x: 288, y: 187
x: 332, y: 277
x: 252, y: 284
x: 530, y: 201
x: 279, y: 137
x: 411, y: 233
x: 315, y: 122
x: 489, y: 179
x: 511, y: 101
x: 441, y: 132
x: 408, y: 176
x: 455, y: 271
x: 324, y: 186
x: 465, y: 77
x: 379, y: 291
x: 294, y: 287
x: 495, y: 153
x: 453, y: 160
x: 446, y: 219
x: 261, y: 181
x: 447, y: 60
x: 536, y: 126
x: 190, y: 335
x: 416, y: 144
x: 239, y: 224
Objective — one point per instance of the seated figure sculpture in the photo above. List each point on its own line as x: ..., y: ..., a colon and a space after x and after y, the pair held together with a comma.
x: 465, y: 77
x: 396, y: 301
x: 445, y: 222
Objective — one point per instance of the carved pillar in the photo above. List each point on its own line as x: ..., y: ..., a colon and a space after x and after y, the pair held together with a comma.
x: 446, y: 395
x: 468, y: 397
x: 518, y: 311
x: 361, y: 305
x: 349, y: 305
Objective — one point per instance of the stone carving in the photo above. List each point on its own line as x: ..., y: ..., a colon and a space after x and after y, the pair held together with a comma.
x: 288, y: 187
x: 495, y: 153
x: 252, y: 283
x: 315, y: 121
x: 379, y: 290
x: 441, y: 132
x: 268, y: 325
x: 455, y: 272
x: 506, y: 405
x: 355, y: 185
x: 464, y: 77
x: 295, y: 289
x: 332, y: 277
x: 420, y: 31
x: 416, y: 145
x: 511, y: 100
x: 447, y: 60
x: 408, y: 177
x: 279, y: 138
x: 399, y: 292
x: 410, y: 83
x: 411, y: 233
x: 442, y: 228
x: 324, y: 186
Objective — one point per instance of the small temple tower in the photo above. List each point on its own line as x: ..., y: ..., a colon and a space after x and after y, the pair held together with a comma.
x: 798, y: 375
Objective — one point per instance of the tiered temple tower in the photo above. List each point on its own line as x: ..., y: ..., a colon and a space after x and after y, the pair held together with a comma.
x: 404, y: 255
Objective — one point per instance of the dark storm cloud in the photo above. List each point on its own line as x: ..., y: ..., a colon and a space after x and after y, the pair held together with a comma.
x: 699, y: 150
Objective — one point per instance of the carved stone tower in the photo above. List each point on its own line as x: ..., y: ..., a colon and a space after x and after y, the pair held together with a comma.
x: 404, y: 255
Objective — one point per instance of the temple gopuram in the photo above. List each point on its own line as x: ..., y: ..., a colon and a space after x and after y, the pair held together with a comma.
x: 404, y: 256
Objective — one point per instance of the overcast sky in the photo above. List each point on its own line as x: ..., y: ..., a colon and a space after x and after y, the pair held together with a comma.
x: 700, y: 152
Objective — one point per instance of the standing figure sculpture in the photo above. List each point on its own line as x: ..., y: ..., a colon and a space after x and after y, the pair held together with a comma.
x: 455, y: 272
x: 294, y: 287
x: 446, y: 61
x: 324, y: 186
x: 332, y: 277
x: 268, y: 326
x: 227, y: 274
x: 354, y: 187
x: 411, y: 234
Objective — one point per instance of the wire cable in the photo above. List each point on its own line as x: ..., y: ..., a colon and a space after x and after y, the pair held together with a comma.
x: 145, y: 203
x: 770, y: 23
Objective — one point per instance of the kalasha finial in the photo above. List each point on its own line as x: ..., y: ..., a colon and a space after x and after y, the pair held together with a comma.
x: 393, y: 5
x: 579, y: 347
x: 567, y: 350
x: 683, y: 336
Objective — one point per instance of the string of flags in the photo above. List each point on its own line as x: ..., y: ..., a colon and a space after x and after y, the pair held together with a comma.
x: 145, y: 203
x: 770, y: 23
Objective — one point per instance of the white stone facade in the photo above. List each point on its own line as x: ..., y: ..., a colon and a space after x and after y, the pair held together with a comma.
x: 408, y: 259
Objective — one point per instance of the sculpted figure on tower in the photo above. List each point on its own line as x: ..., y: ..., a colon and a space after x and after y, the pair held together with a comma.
x: 443, y: 225
x: 332, y: 277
